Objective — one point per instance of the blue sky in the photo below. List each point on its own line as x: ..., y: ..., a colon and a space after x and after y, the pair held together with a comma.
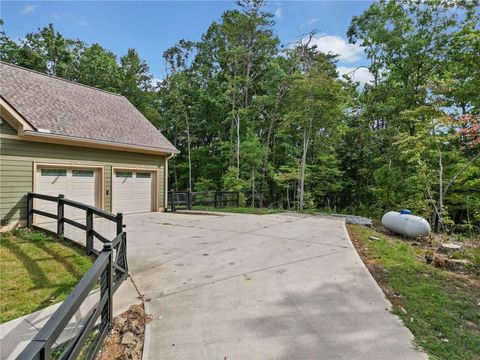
x: 153, y: 26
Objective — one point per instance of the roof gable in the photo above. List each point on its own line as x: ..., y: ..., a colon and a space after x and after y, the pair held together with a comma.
x: 61, y: 107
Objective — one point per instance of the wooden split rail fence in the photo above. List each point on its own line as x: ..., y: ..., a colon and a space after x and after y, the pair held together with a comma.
x: 186, y: 200
x: 63, y: 336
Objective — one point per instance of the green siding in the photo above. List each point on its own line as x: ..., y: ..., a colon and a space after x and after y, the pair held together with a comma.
x: 17, y: 158
x: 6, y: 128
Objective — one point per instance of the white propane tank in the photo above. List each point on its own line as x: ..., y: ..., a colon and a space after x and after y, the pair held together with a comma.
x: 406, y: 224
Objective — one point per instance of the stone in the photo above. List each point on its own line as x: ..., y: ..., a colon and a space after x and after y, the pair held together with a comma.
x: 121, y: 321
x: 456, y: 264
x: 127, y: 338
x: 449, y: 247
x: 374, y: 238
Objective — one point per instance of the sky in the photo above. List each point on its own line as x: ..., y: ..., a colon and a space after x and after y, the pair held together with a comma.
x: 151, y: 27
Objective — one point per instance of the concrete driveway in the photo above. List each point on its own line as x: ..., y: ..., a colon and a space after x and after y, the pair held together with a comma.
x: 241, y: 287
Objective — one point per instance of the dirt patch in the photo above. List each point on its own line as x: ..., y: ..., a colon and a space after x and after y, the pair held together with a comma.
x: 125, y: 341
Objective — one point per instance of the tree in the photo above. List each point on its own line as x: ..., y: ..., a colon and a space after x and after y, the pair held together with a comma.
x: 314, y: 102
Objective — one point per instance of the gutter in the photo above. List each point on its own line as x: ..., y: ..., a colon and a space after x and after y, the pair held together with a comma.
x: 78, y: 141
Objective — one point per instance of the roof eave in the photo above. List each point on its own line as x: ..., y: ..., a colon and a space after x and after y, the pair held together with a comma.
x: 93, y: 143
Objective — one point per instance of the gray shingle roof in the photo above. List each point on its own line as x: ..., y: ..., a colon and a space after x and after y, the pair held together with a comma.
x: 70, y: 109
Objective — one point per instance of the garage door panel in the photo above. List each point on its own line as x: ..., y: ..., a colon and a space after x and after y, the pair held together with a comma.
x: 75, y: 184
x: 133, y: 191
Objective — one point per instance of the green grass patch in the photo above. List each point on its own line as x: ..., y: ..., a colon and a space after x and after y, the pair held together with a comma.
x: 240, y: 210
x: 37, y: 271
x: 441, y: 308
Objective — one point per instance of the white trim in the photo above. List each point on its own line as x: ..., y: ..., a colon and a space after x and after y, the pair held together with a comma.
x: 20, y: 124
x: 74, y: 140
x: 165, y: 181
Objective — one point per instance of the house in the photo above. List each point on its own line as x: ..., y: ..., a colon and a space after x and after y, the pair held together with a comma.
x: 61, y: 137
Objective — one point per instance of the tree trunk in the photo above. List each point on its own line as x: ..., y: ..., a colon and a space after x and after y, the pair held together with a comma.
x: 301, y: 188
x: 253, y: 187
x: 440, y: 192
x: 288, y: 199
x: 238, y: 145
x: 189, y: 154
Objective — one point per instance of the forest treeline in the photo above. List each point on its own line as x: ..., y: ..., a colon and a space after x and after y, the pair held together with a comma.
x: 279, y: 124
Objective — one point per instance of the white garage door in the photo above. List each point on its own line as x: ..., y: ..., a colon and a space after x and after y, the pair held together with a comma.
x: 76, y: 184
x: 133, y: 191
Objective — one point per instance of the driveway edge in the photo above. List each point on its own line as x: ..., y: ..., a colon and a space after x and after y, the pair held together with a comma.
x: 382, y: 294
x: 365, y: 269
x: 147, y: 332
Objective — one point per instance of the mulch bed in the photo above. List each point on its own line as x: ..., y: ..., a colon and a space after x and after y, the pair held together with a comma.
x: 125, y: 341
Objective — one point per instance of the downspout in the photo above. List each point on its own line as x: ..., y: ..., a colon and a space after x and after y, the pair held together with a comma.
x: 165, y: 198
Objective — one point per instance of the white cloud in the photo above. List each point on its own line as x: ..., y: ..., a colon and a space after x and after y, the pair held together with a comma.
x: 81, y: 21
x: 278, y: 13
x: 27, y: 9
x: 359, y: 74
x: 337, y: 45
x: 309, y: 23
x: 154, y: 81
x: 77, y: 20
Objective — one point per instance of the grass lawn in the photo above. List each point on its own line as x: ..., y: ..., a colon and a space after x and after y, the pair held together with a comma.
x: 240, y: 210
x: 36, y: 271
x: 441, y: 308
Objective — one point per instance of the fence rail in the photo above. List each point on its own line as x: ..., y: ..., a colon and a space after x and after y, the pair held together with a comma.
x: 179, y: 200
x: 110, y: 269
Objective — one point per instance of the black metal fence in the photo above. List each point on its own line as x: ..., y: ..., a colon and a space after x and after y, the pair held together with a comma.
x: 67, y: 334
x: 186, y: 200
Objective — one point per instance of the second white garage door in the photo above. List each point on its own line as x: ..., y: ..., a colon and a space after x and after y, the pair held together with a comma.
x: 133, y: 191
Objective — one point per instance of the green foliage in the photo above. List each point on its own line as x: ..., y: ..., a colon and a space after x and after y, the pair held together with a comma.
x: 440, y: 308
x: 203, y: 184
x: 277, y: 122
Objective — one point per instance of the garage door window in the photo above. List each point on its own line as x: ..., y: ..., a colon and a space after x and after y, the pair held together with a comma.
x: 82, y: 173
x: 143, y: 175
x: 54, y: 172
x: 123, y: 174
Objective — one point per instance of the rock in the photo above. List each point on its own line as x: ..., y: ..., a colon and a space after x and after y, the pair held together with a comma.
x: 358, y: 220
x: 127, y: 338
x: 456, y: 264
x: 449, y: 247
x: 121, y: 321
x: 135, y: 327
x: 373, y: 238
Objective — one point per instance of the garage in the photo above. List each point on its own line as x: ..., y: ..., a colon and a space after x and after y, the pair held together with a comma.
x: 133, y: 191
x: 79, y: 184
x: 95, y: 147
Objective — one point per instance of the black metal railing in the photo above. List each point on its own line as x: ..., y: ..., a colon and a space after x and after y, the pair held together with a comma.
x: 186, y: 200
x: 85, y: 335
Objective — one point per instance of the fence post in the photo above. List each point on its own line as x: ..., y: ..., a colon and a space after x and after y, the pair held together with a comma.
x: 29, y: 210
x: 215, y: 199
x: 119, y: 223
x: 106, y: 287
x: 238, y: 198
x: 189, y: 199
x: 60, y: 215
x: 89, y: 231
x: 172, y: 203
